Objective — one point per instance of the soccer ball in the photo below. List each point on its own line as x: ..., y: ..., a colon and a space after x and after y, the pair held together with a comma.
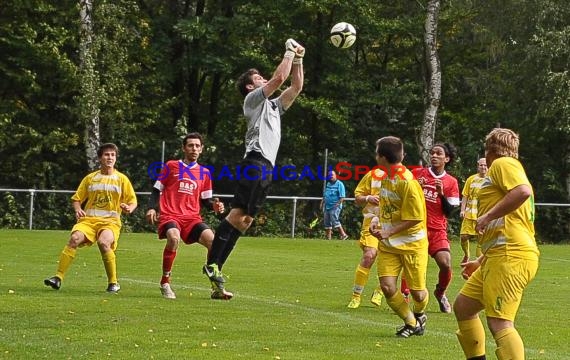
x: 343, y: 35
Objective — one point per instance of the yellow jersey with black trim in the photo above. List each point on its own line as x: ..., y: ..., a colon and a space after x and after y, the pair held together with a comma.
x: 512, y: 234
x: 402, y: 198
x: 369, y: 185
x: 102, y: 195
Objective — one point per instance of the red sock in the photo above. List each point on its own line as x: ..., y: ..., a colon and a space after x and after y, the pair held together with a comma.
x: 167, y: 261
x: 444, y: 280
x: 404, y: 287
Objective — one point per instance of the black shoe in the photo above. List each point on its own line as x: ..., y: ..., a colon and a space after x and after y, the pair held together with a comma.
x: 408, y: 330
x: 421, y: 319
x: 53, y: 282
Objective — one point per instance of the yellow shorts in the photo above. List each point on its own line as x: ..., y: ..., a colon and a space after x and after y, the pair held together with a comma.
x: 413, y: 264
x: 499, y: 284
x: 92, y: 227
x: 367, y: 239
x: 468, y: 227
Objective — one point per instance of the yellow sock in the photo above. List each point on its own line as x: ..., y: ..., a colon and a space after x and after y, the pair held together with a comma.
x: 110, y: 266
x: 360, y: 279
x: 465, y: 246
x: 400, y: 307
x: 420, y: 307
x: 471, y: 336
x: 65, y: 259
x: 509, y: 345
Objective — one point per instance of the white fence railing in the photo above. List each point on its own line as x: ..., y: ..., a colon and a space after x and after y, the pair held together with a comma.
x: 32, y: 193
x: 293, y: 199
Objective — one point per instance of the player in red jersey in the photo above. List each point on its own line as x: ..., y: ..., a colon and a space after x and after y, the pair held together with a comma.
x: 183, y: 186
x: 441, y: 192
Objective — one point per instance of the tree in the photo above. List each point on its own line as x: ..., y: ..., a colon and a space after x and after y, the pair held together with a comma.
x: 89, y: 101
x: 433, y: 81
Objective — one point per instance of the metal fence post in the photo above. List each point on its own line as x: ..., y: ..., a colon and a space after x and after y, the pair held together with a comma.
x: 294, y: 216
x: 31, y: 217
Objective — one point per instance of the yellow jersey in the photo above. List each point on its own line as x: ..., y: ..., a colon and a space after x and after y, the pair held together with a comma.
x: 103, y: 195
x: 470, y: 192
x: 402, y: 198
x: 369, y: 185
x: 512, y: 234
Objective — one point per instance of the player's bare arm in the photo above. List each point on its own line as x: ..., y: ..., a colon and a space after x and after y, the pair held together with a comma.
x: 128, y: 208
x: 153, y: 206
x: 291, y: 93
x: 282, y: 71
x: 213, y: 204
x: 79, y: 213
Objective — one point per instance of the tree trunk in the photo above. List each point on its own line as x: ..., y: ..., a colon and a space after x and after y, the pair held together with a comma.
x: 433, y: 81
x: 89, y: 103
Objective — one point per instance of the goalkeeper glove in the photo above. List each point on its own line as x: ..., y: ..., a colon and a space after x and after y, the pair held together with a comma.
x: 290, y: 48
x: 299, y: 55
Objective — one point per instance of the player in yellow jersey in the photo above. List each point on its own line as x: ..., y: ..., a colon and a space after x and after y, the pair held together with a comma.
x: 497, y: 279
x: 366, y: 195
x: 402, y: 233
x: 469, y: 208
x: 106, y: 194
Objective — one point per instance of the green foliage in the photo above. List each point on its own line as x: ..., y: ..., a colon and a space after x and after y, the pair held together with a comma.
x: 14, y: 212
x: 162, y: 68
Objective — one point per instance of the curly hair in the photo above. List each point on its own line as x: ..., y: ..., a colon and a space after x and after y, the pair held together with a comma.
x: 502, y: 142
x: 449, y: 149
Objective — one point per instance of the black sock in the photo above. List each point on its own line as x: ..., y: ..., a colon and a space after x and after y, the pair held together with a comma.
x: 221, y: 238
x: 232, y: 240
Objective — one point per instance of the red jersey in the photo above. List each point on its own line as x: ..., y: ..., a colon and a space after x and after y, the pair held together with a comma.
x: 182, y: 186
x: 436, y: 219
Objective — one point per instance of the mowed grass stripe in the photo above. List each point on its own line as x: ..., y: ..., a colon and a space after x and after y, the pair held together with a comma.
x: 291, y: 297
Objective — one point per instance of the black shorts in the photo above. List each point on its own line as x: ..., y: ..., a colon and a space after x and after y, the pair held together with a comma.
x: 255, y: 177
x: 190, y: 230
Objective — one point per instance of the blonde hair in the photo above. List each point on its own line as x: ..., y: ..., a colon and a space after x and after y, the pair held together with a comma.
x: 502, y: 142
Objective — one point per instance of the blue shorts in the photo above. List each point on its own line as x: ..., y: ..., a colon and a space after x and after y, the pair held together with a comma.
x: 332, y: 218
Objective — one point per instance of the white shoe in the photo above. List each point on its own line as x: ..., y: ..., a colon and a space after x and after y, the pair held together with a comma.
x: 167, y: 292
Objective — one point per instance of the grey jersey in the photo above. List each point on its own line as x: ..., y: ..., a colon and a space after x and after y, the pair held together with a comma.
x: 263, y: 124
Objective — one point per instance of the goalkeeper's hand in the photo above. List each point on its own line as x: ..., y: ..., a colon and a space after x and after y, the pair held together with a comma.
x: 291, y: 48
x: 291, y: 45
x: 294, y: 46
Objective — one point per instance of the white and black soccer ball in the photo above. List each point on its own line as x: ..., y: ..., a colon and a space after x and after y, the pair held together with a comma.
x: 343, y: 35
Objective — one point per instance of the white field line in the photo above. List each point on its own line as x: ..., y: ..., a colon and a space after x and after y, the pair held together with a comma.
x: 490, y: 344
x: 552, y: 259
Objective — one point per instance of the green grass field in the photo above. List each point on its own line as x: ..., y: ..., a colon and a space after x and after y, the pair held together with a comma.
x: 290, y: 303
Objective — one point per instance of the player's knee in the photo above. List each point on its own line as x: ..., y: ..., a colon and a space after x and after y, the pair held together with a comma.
x: 495, y: 324
x: 368, y: 258
x: 388, y: 288
x: 75, y: 239
x: 418, y: 295
x: 466, y: 308
x: 246, y: 220
x: 105, y: 246
x: 443, y: 260
x: 172, y: 242
x: 206, y: 238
